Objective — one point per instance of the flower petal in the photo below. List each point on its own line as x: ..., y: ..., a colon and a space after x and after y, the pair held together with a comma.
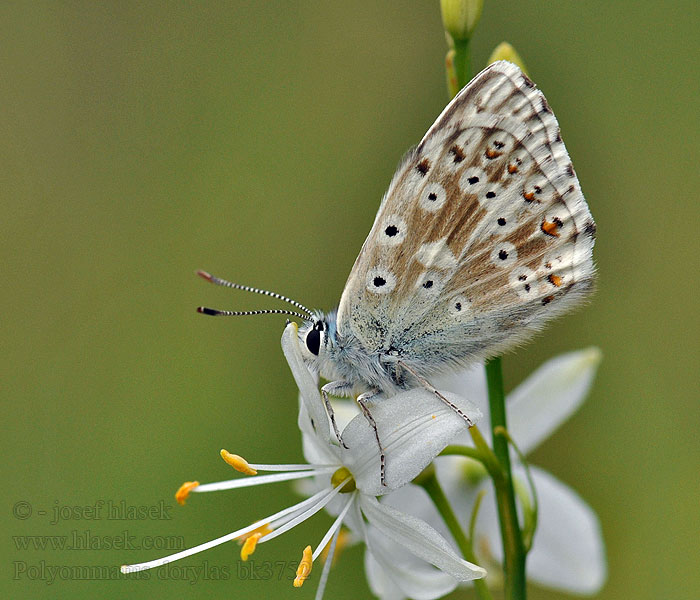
x: 413, y: 426
x: 568, y: 552
x: 419, y: 538
x: 306, y: 382
x: 392, y: 571
x: 379, y: 579
x: 550, y: 396
x: 394, y: 574
x: 316, y: 452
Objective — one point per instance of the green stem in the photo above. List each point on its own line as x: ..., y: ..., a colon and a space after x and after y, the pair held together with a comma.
x: 530, y: 508
x: 488, y: 458
x: 432, y: 486
x: 462, y: 63
x: 511, y: 535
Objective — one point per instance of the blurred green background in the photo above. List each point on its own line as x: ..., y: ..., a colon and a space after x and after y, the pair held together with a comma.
x: 141, y: 141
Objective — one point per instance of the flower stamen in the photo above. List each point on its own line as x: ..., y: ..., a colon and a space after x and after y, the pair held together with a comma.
x: 331, y: 532
x: 322, y: 497
x: 184, y: 491
x: 343, y: 540
x: 237, y: 462
x: 325, y: 572
x: 249, y: 545
x: 249, y: 541
x: 304, y: 568
x: 260, y: 480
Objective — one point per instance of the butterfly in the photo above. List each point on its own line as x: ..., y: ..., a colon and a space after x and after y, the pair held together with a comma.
x: 482, y: 238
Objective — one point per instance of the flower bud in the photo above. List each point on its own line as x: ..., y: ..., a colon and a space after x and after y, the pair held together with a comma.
x: 504, y: 51
x: 459, y: 17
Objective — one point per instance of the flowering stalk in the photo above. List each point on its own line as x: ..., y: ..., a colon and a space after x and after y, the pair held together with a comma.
x: 513, y: 548
x: 460, y: 18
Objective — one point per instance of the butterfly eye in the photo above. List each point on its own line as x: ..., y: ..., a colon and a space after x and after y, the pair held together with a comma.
x: 313, y: 338
x: 313, y: 341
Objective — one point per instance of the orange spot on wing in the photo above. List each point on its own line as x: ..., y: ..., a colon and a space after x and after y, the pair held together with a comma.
x: 555, y: 280
x: 512, y: 169
x: 529, y: 196
x: 550, y: 228
x: 490, y: 153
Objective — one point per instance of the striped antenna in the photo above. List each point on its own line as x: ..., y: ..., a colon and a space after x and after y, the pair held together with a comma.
x: 212, y: 312
x: 217, y: 281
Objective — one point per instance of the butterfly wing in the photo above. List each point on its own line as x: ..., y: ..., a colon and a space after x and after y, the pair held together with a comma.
x: 482, y: 237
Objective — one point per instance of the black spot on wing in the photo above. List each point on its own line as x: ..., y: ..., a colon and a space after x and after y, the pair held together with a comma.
x: 458, y: 154
x: 423, y: 167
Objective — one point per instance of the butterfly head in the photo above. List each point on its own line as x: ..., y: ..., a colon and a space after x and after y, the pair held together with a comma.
x: 316, y: 336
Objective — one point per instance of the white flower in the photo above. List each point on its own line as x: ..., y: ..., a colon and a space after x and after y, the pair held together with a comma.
x: 568, y: 552
x: 414, y: 427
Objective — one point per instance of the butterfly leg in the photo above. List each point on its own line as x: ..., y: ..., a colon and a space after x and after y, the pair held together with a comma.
x: 337, y: 388
x: 362, y: 400
x: 427, y: 385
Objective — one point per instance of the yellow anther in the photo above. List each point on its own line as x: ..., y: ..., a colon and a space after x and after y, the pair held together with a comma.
x: 238, y: 462
x: 184, y: 491
x: 249, y: 545
x: 304, y: 568
x: 263, y: 530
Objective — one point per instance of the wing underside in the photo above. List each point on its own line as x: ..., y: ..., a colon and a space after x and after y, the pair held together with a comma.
x: 482, y: 237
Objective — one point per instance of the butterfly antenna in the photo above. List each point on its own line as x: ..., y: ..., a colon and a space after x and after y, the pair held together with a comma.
x: 246, y: 288
x: 212, y: 312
